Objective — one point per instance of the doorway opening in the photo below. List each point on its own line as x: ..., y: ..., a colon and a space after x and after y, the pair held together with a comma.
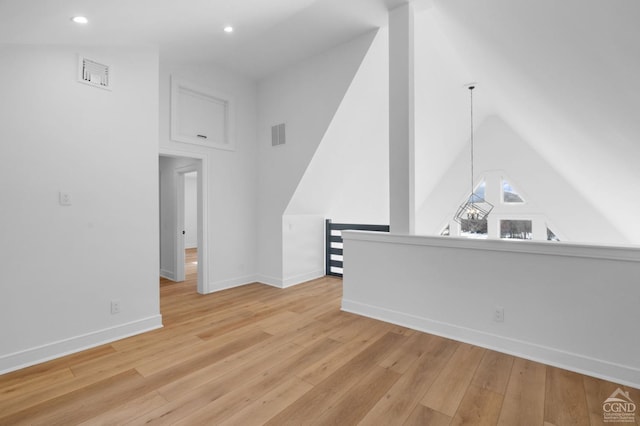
x: 182, y: 209
x: 190, y: 225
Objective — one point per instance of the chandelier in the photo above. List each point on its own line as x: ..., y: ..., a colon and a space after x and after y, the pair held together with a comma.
x: 475, y: 209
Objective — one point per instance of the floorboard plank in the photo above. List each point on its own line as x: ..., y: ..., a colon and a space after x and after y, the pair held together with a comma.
x: 125, y: 412
x: 330, y: 390
x: 263, y: 409
x: 81, y: 404
x: 480, y: 407
x: 524, y: 398
x: 494, y: 371
x: 421, y: 416
x: 449, y: 388
x: 401, y: 400
x: 257, y: 385
x: 357, y: 402
x: 565, y: 402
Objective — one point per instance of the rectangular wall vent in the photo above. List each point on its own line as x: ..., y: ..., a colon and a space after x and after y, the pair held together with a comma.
x: 94, y: 73
x: 277, y: 135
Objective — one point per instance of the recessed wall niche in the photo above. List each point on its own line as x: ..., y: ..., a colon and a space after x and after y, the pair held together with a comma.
x: 201, y: 116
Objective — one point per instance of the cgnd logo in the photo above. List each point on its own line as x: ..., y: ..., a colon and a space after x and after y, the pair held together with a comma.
x: 619, y: 408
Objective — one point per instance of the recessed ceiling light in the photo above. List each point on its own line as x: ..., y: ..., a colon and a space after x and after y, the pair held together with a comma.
x: 228, y: 29
x: 80, y: 20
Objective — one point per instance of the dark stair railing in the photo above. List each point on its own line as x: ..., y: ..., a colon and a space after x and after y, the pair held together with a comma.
x: 333, y: 243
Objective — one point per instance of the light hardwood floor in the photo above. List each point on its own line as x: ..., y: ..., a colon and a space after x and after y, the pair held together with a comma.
x: 259, y: 355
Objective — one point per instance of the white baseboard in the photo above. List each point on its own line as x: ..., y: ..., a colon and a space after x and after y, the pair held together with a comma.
x: 39, y: 354
x: 216, y: 286
x: 167, y: 274
x: 302, y: 278
x: 272, y: 281
x: 602, y: 369
x: 290, y: 281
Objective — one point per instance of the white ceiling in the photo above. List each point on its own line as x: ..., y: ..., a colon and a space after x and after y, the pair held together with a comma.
x: 269, y: 34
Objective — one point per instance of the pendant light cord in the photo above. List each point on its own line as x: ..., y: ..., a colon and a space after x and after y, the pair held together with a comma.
x: 471, y: 96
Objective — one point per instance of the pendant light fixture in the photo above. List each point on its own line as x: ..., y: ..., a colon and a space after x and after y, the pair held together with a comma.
x: 475, y: 209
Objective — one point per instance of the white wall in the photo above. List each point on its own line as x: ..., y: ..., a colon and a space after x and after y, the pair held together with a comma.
x: 63, y: 265
x: 442, y: 104
x: 573, y: 306
x: 232, y: 196
x: 191, y: 210
x: 302, y: 248
x: 305, y: 97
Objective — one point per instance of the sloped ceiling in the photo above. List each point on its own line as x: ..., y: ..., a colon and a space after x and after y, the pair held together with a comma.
x: 564, y: 76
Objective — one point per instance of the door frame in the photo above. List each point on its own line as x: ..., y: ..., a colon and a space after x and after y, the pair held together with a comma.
x: 201, y: 167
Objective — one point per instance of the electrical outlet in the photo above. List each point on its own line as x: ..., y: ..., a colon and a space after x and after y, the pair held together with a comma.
x: 498, y: 314
x: 115, y: 307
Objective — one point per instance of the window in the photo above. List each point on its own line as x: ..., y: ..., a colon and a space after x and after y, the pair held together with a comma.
x: 551, y: 236
x: 478, y: 193
x: 509, y: 195
x: 516, y: 229
x: 471, y: 228
x: 511, y: 216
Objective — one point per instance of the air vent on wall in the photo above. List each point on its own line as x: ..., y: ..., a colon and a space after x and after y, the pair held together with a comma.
x: 94, y: 73
x: 277, y: 135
